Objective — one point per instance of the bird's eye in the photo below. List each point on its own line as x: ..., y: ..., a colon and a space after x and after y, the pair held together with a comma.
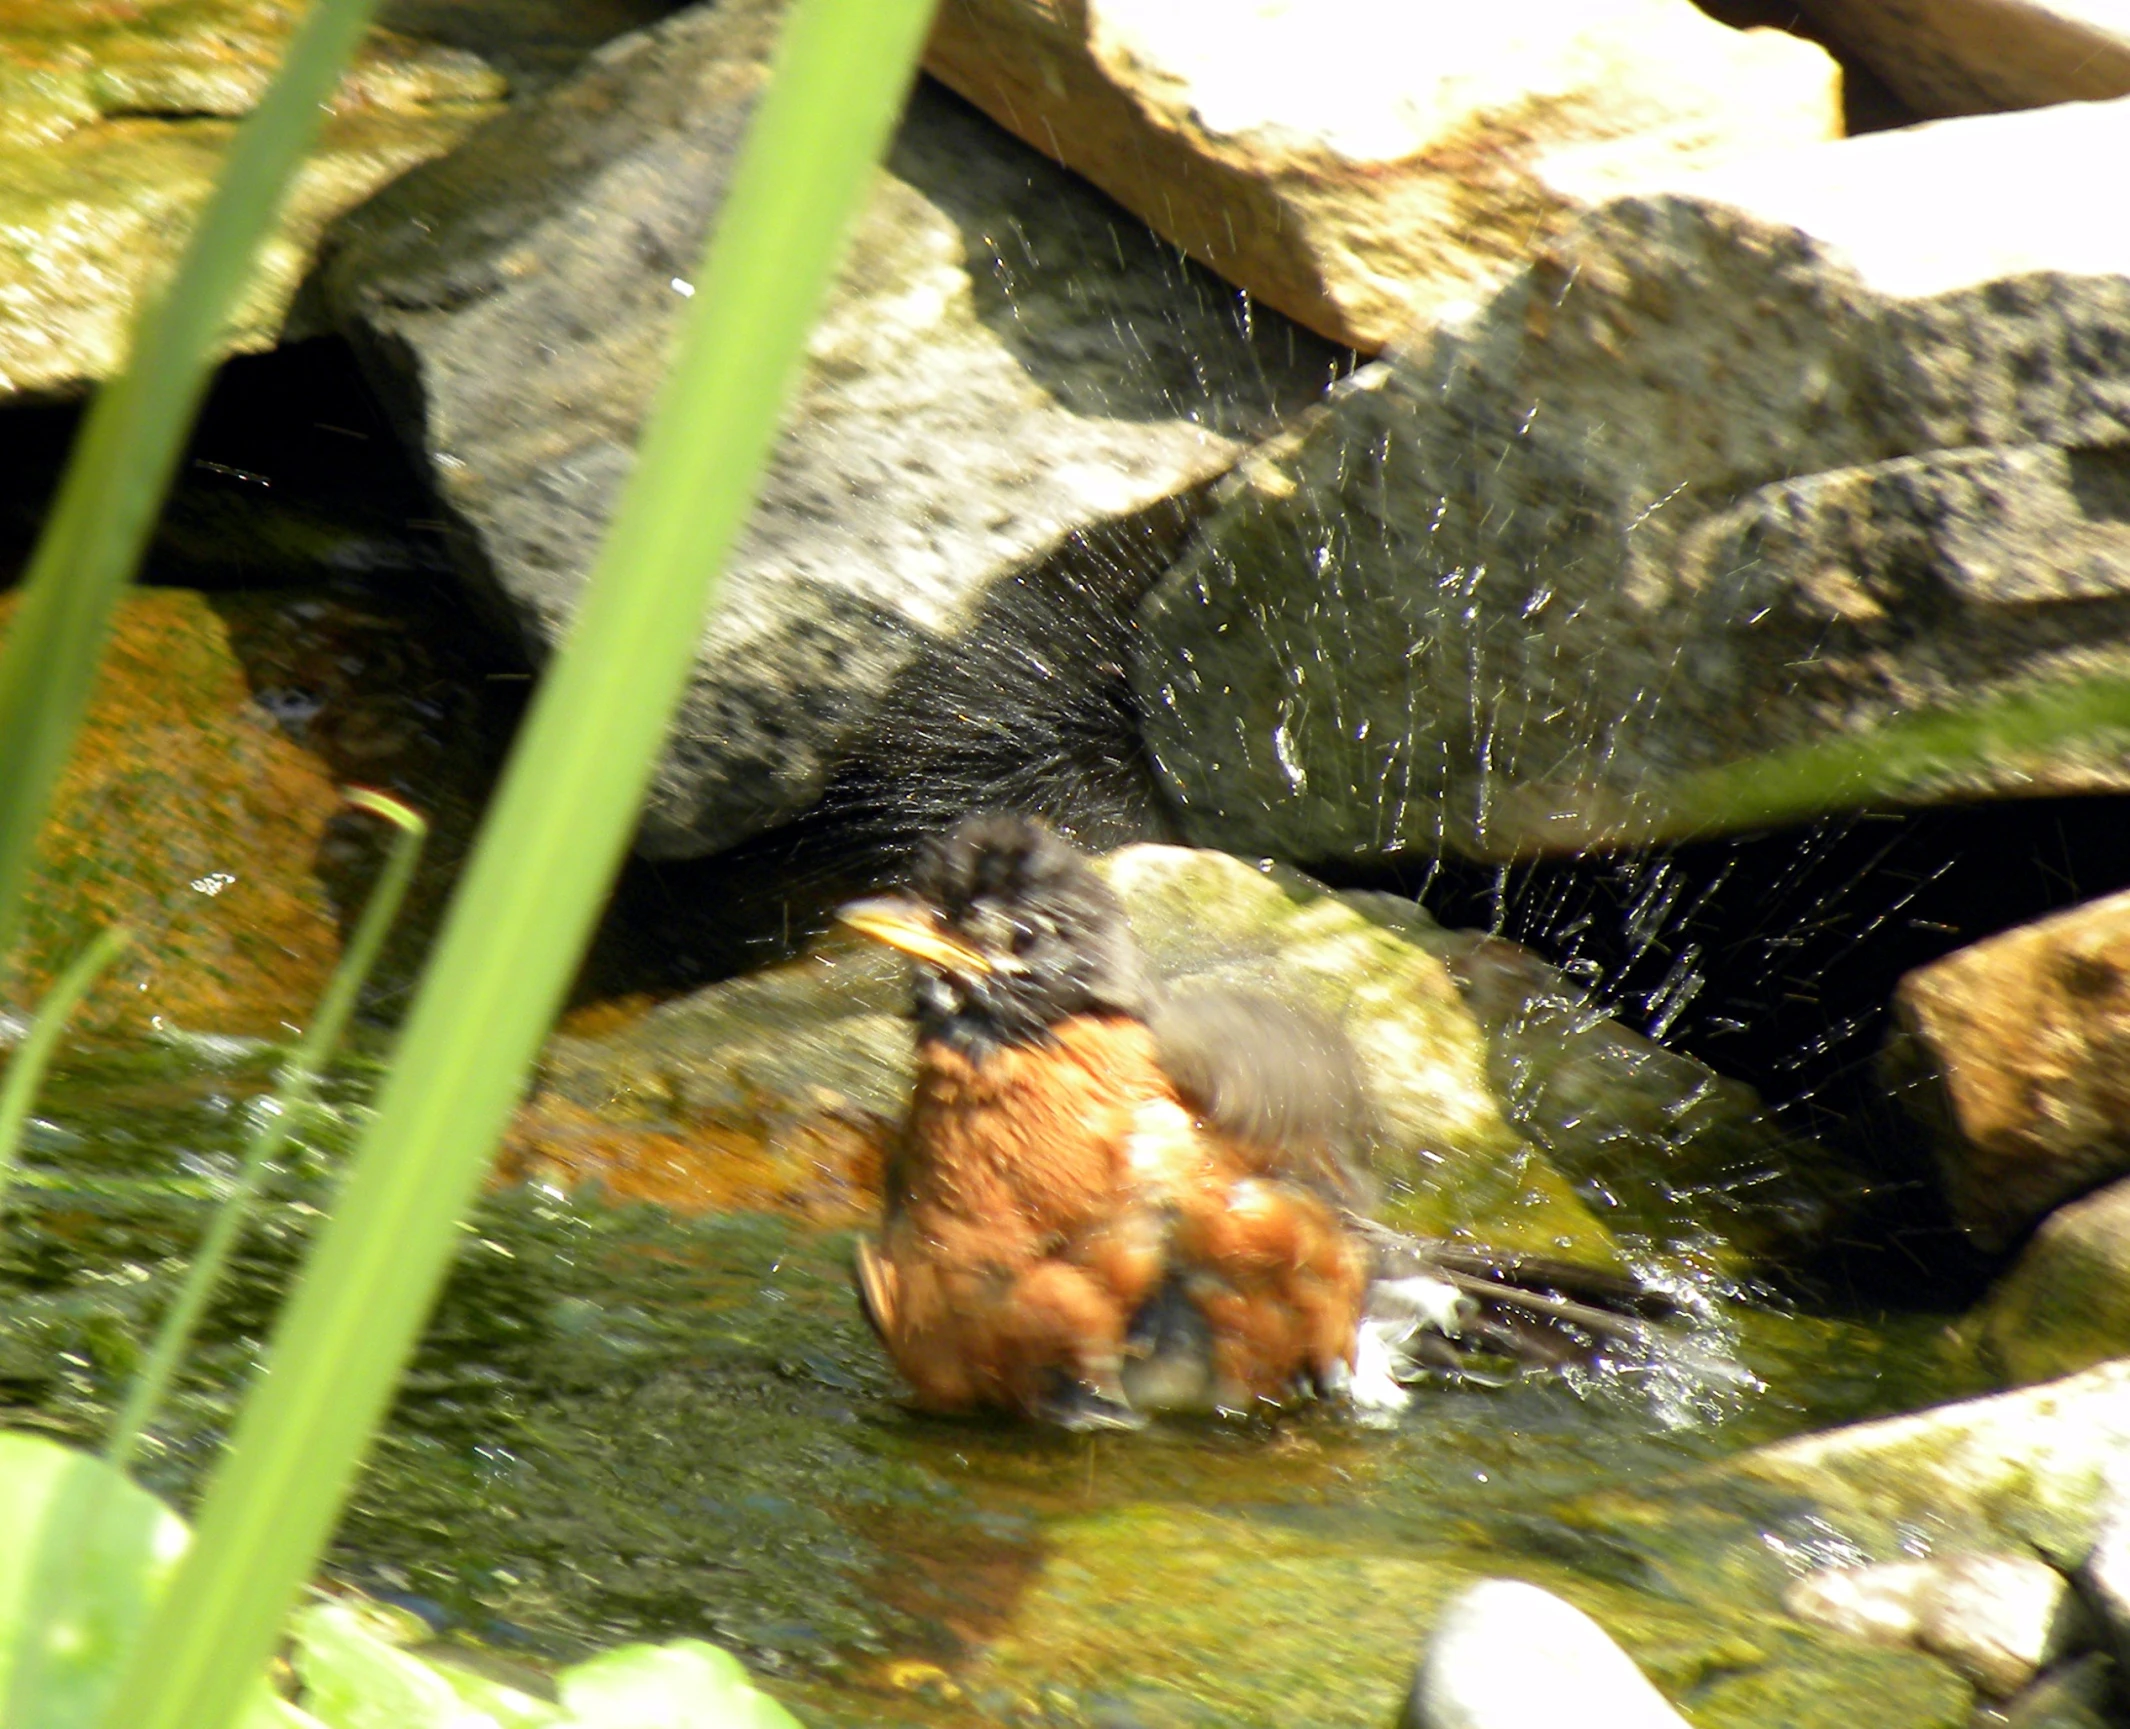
x: 1025, y: 937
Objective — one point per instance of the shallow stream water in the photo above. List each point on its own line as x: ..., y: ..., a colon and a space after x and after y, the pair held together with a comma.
x: 630, y: 1425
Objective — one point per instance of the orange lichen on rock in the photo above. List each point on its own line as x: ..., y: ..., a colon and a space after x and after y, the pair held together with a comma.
x: 185, y: 814
x: 822, y: 1169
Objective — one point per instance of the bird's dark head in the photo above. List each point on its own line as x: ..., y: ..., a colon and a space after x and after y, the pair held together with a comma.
x: 1012, y: 932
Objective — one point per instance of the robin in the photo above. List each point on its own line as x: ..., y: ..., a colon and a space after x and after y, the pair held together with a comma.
x: 1109, y: 1198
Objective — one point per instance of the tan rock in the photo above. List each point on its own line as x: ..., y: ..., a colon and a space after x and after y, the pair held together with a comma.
x: 1978, y: 56
x: 113, y: 125
x: 2016, y: 1052
x: 1361, y: 165
x: 1998, y: 1619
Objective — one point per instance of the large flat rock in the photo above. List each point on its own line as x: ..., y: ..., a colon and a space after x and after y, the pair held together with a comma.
x: 1804, y: 445
x: 1361, y: 164
x: 1008, y: 369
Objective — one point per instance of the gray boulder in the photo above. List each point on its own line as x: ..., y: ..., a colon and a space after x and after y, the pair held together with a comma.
x: 1805, y: 445
x: 1009, y: 374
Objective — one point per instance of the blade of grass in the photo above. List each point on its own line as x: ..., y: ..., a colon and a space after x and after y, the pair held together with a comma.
x: 1928, y: 755
x: 546, y: 858
x: 299, y: 1087
x: 25, y: 1070
x: 130, y: 442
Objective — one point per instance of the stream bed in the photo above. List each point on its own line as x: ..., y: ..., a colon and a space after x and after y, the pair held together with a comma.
x: 628, y: 1424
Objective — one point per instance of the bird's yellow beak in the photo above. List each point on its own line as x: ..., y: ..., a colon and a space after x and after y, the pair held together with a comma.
x: 914, y: 929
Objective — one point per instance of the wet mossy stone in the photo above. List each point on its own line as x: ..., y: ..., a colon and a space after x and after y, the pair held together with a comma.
x: 185, y: 814
x: 2065, y: 1304
x: 827, y: 1037
x: 114, y: 122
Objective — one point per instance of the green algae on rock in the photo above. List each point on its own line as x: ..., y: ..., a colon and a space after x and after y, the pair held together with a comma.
x: 2065, y: 1304
x: 209, y: 824
x: 113, y: 124
x: 825, y: 1040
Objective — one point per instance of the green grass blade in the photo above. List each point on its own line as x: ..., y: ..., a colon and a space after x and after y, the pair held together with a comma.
x: 1907, y: 757
x: 299, y: 1087
x: 548, y: 853
x: 1931, y: 755
x: 25, y: 1070
x: 131, y: 439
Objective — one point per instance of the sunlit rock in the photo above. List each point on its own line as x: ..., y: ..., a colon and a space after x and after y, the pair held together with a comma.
x: 2026, y: 1470
x: 2065, y: 1304
x: 1977, y: 56
x: 1361, y: 165
x: 1008, y: 375
x: 2016, y: 1052
x: 113, y: 125
x: 1811, y: 442
x: 764, y: 1073
x: 1998, y: 1619
x: 1506, y: 1655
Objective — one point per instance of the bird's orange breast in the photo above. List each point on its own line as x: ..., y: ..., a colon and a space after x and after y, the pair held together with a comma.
x: 1042, y: 1194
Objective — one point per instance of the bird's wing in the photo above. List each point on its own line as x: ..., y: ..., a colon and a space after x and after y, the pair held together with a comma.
x: 1276, y: 1078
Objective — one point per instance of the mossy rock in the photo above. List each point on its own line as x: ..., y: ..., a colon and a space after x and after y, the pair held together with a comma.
x: 781, y: 1055
x: 2065, y: 1305
x: 113, y: 125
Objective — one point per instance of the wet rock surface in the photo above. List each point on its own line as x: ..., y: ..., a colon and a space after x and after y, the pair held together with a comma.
x: 1007, y: 365
x: 1664, y: 1145
x: 823, y: 1048
x: 1495, y: 593
x: 2014, y: 1051
x: 113, y: 124
x: 2029, y: 1469
x: 186, y: 815
x: 1419, y: 178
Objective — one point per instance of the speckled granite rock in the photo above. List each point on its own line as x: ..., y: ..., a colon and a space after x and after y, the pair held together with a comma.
x: 1006, y: 370
x: 1759, y: 462
x: 1415, y: 173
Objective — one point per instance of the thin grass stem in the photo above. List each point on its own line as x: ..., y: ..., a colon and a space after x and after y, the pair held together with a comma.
x: 25, y: 1070
x: 131, y: 439
x: 545, y: 861
x: 295, y: 1095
